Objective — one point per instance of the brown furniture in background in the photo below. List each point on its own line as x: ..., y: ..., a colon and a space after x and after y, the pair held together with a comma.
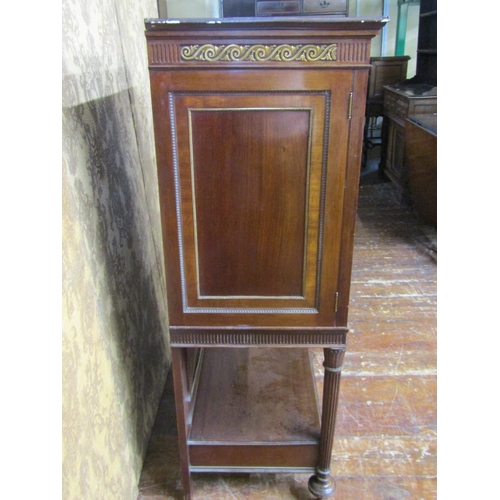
x: 384, y: 71
x: 417, y: 95
x: 251, y: 8
x: 258, y: 130
x: 421, y: 158
x: 400, y: 102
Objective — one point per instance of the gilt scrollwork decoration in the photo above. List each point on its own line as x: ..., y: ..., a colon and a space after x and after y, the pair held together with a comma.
x: 259, y: 53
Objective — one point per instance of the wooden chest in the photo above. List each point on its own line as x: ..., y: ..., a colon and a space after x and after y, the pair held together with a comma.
x: 399, y: 103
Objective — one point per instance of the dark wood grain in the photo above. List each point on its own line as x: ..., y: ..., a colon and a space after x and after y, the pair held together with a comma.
x: 279, y: 457
x: 421, y: 158
x: 401, y: 101
x: 250, y: 173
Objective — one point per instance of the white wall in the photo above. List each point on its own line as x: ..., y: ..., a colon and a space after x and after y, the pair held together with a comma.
x: 193, y: 8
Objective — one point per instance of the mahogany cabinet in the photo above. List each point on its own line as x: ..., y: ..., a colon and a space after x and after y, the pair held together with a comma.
x: 258, y: 130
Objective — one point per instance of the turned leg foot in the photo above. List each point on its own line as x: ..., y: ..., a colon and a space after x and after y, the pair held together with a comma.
x: 322, y: 485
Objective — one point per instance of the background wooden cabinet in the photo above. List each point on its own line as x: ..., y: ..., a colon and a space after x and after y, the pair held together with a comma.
x: 421, y: 158
x: 413, y: 97
x: 250, y: 8
x: 401, y: 101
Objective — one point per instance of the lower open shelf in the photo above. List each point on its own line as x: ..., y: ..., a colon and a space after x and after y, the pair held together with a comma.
x: 254, y: 409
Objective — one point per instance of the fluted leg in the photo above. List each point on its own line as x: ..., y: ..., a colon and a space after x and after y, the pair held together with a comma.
x: 322, y: 484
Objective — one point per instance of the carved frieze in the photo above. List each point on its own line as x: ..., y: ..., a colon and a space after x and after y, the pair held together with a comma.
x: 343, y: 52
x: 259, y: 53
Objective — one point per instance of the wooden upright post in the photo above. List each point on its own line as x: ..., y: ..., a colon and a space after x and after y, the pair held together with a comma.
x: 322, y: 484
x: 181, y: 392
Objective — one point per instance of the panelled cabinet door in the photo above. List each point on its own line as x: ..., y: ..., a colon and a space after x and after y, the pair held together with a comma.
x: 254, y: 189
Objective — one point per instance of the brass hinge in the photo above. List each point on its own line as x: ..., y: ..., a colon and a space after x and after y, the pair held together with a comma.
x: 349, y: 115
x: 336, y: 301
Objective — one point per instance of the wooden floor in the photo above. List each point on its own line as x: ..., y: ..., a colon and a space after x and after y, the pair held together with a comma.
x: 385, y: 443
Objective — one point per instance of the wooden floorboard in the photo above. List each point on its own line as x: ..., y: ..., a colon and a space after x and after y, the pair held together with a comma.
x: 385, y: 446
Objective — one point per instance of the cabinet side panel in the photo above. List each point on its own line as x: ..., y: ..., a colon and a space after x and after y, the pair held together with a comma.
x: 359, y: 84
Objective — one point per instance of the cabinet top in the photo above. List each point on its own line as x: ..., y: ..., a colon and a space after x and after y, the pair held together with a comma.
x: 420, y: 90
x: 313, y: 23
x: 426, y: 121
x: 255, y: 42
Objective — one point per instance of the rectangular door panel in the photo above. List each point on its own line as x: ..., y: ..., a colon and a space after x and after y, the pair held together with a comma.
x: 250, y: 169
